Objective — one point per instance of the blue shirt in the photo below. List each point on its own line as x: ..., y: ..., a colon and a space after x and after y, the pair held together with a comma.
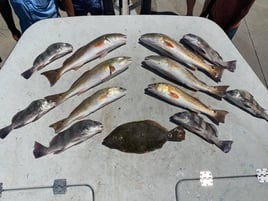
x: 31, y: 11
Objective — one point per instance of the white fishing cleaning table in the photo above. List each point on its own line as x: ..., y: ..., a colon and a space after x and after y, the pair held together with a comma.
x: 114, y: 175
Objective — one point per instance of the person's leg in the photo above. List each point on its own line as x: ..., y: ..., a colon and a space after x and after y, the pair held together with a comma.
x: 207, y: 7
x: 232, y: 32
x: 190, y: 7
x: 80, y: 7
x: 6, y: 12
x: 146, y: 7
x: 108, y: 7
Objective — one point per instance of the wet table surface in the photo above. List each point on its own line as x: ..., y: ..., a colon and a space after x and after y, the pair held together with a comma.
x: 116, y: 175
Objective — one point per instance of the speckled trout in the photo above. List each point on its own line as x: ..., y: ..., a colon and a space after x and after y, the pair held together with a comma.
x: 31, y: 113
x: 53, y: 52
x: 200, y: 46
x: 178, y: 73
x: 180, y: 98
x: 76, y: 134
x: 99, y: 47
x: 196, y: 124
x: 169, y: 47
x: 91, y: 104
x: 100, y: 73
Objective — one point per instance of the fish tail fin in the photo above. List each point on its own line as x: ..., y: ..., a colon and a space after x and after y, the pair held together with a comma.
x: 218, y: 73
x: 53, y: 76
x: 59, y: 125
x: 5, y: 131
x: 28, y: 73
x: 219, y: 90
x: 56, y: 98
x: 39, y: 150
x: 230, y: 65
x: 225, y: 145
x: 219, y: 115
x: 176, y: 134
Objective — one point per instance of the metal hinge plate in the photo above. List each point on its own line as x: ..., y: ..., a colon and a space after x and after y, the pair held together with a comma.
x: 206, y: 178
x: 262, y: 175
x: 60, y: 186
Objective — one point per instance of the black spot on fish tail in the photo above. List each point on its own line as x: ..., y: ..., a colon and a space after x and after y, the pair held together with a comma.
x: 5, y: 131
x: 28, y: 73
x: 39, y: 150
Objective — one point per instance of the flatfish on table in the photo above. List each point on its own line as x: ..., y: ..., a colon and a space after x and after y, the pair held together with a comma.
x: 142, y: 136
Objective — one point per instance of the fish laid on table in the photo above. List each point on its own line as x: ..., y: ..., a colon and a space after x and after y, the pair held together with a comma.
x: 177, y: 72
x: 142, y: 136
x: 200, y: 46
x: 100, y: 73
x: 53, y: 52
x: 99, y: 47
x: 169, y: 47
x: 196, y: 124
x: 180, y: 98
x: 246, y: 101
x: 76, y: 134
x: 30, y: 114
x: 91, y: 104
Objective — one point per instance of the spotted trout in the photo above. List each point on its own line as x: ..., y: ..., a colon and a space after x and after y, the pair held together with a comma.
x: 196, y: 124
x: 178, y: 73
x: 169, y: 47
x: 180, y: 98
x: 53, y: 52
x: 200, y: 46
x: 91, y: 104
x: 246, y: 101
x: 76, y: 134
x: 100, y: 73
x: 30, y: 114
x: 99, y: 47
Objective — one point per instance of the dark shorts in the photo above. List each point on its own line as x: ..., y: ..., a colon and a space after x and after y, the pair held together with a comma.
x: 83, y: 7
